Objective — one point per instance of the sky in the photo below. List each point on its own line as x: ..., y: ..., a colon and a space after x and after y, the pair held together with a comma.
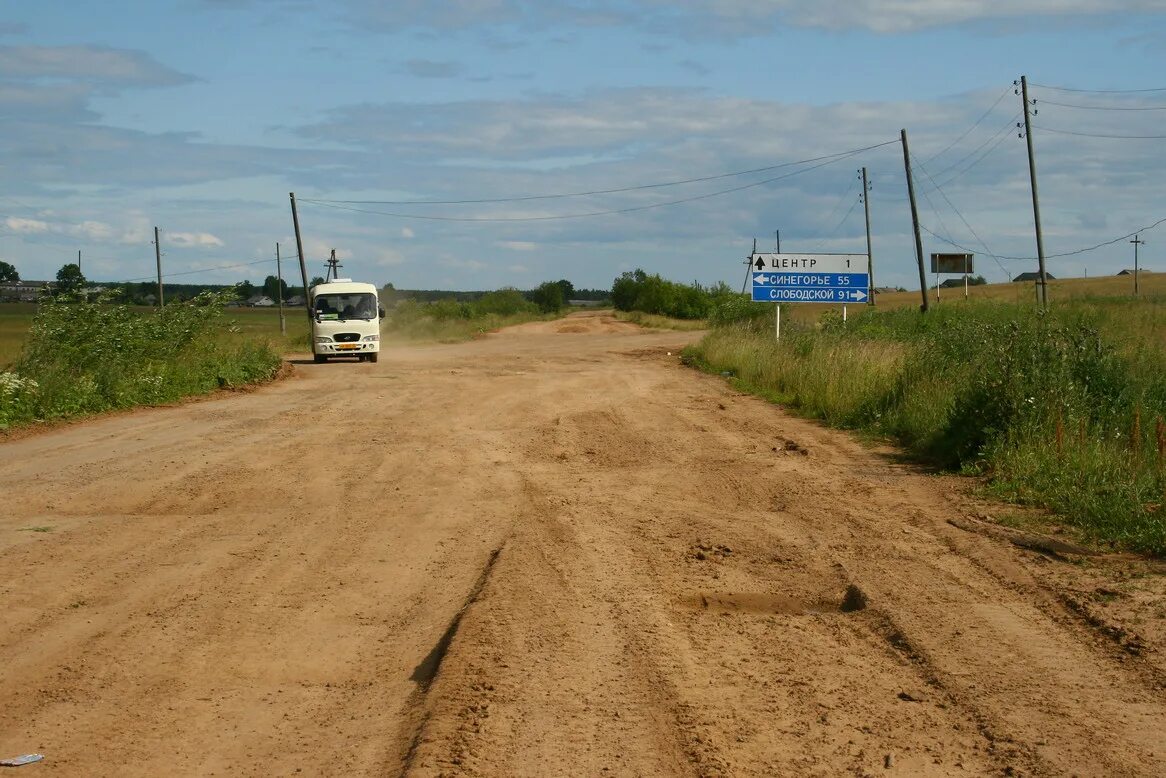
x: 480, y: 144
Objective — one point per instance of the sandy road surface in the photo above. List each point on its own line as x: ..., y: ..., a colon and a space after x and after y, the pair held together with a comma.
x: 552, y: 551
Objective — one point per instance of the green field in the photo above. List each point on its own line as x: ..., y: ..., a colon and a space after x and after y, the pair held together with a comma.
x: 1060, y: 291
x: 240, y: 323
x: 263, y: 324
x: 15, y: 319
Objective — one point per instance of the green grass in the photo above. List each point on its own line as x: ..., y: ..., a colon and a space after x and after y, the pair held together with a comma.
x: 1062, y: 410
x: 657, y: 322
x: 84, y: 357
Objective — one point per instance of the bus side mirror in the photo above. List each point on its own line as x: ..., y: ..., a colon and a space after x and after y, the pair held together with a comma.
x: 382, y: 312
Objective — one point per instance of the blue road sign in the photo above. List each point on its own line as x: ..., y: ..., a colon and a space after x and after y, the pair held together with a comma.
x: 800, y: 287
x: 810, y: 278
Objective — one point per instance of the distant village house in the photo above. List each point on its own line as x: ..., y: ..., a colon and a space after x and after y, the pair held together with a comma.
x: 21, y: 291
x: 1032, y: 276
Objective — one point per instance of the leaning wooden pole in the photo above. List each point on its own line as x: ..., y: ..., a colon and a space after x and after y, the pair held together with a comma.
x: 915, y: 222
x: 300, y: 251
x: 870, y: 300
x: 1040, y: 242
x: 158, y: 260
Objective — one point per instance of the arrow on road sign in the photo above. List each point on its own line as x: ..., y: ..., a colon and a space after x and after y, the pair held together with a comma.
x: 760, y: 279
x: 858, y: 294
x: 759, y: 264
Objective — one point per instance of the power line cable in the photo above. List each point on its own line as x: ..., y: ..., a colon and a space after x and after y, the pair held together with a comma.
x: 838, y: 204
x: 937, y: 214
x: 829, y: 160
x: 193, y: 272
x: 1073, y: 253
x: 1103, y: 107
x: 969, y: 130
x: 1007, y: 128
x: 1099, y: 91
x: 995, y: 140
x: 988, y: 152
x: 837, y: 226
x: 561, y: 195
x: 975, y: 235
x: 949, y: 241
x: 1101, y: 245
x: 1098, y: 135
x: 638, y: 187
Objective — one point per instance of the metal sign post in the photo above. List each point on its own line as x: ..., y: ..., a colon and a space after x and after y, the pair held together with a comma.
x: 953, y: 264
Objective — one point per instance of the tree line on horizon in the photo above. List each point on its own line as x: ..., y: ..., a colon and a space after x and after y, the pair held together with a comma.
x: 549, y: 296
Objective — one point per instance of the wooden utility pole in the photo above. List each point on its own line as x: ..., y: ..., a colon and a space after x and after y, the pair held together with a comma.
x: 300, y: 250
x: 334, y: 266
x: 870, y: 299
x: 158, y: 258
x: 279, y: 290
x: 1040, y: 243
x: 79, y: 261
x: 749, y: 267
x: 915, y: 222
x: 1137, y: 241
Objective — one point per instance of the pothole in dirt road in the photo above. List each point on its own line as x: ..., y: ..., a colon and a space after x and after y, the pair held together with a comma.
x: 703, y: 550
x: 766, y: 603
x: 788, y: 446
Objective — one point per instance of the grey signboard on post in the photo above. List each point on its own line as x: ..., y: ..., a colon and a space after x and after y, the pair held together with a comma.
x: 952, y: 263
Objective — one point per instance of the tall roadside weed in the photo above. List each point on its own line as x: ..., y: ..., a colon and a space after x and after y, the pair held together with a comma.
x: 85, y: 356
x: 1056, y: 409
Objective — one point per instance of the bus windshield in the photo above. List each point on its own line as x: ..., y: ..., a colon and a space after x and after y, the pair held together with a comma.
x: 338, y: 307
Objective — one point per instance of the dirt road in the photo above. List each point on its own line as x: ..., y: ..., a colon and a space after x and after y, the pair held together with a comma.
x: 554, y: 551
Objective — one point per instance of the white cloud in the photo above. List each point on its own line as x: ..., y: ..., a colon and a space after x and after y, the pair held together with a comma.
x: 191, y: 239
x: 316, y: 252
x: 88, y: 63
x: 906, y: 15
x: 88, y: 229
x: 92, y: 230
x: 27, y: 226
x: 388, y: 258
x: 726, y: 18
x: 138, y: 232
x: 518, y: 245
x: 424, y: 68
x: 464, y: 263
x: 408, y: 233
